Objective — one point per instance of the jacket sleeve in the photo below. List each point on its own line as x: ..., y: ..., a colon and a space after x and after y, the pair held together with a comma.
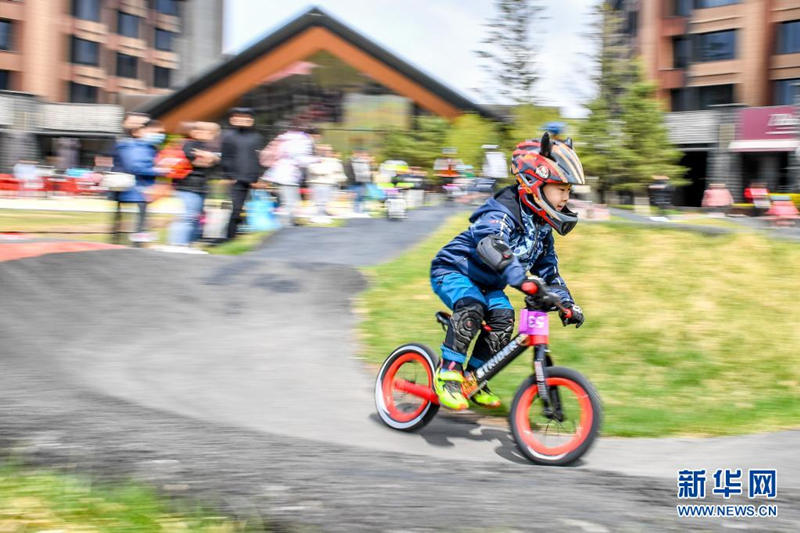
x: 498, y: 223
x: 138, y: 161
x: 227, y: 155
x: 188, y: 149
x: 546, y: 267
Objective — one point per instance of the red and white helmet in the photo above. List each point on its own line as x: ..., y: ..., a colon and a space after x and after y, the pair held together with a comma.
x: 535, y: 163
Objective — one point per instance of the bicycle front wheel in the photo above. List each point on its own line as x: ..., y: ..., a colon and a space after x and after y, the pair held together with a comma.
x: 564, y: 433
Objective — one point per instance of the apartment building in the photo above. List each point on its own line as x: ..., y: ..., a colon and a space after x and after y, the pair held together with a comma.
x: 91, y: 51
x: 69, y: 67
x: 726, y: 71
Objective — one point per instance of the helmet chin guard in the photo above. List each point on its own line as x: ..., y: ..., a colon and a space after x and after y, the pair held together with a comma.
x: 536, y: 163
x: 562, y: 221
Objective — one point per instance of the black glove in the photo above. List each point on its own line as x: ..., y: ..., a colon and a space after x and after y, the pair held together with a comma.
x: 576, y: 316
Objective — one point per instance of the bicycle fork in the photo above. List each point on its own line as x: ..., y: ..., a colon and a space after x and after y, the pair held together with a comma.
x: 551, y: 399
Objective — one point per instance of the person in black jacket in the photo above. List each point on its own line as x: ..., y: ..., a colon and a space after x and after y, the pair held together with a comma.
x: 193, y: 188
x: 240, y: 148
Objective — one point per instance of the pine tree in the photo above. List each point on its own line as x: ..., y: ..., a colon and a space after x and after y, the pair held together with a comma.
x: 417, y: 147
x: 647, y: 150
x: 509, y: 52
x: 624, y: 141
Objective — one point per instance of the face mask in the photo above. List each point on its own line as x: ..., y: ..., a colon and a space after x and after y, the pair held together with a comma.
x: 154, y: 138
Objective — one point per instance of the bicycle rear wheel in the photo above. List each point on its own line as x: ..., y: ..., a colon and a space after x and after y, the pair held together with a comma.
x: 563, y: 437
x: 404, y: 394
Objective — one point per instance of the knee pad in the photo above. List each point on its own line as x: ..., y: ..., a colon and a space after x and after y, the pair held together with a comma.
x: 502, y: 323
x: 464, y: 325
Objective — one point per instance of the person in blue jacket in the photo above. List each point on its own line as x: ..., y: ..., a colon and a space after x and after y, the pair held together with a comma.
x: 136, y: 155
x: 509, y: 235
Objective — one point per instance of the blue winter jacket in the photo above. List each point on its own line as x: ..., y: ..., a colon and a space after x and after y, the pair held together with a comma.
x: 530, y: 237
x: 135, y: 157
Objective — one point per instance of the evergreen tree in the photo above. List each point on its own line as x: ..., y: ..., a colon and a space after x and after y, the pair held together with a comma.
x: 467, y: 134
x: 647, y: 150
x: 418, y: 147
x: 623, y: 142
x: 508, y: 53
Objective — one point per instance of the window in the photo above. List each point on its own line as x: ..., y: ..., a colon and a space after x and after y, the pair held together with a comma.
x: 85, y: 52
x: 695, y: 98
x: 82, y: 94
x: 5, y: 80
x: 161, y: 77
x: 682, y: 8
x: 681, y: 99
x: 5, y: 34
x: 785, y: 91
x: 164, y: 40
x: 127, y: 24
x: 168, y: 7
x: 789, y: 37
x: 715, y: 46
x: 700, y: 4
x: 715, y: 95
x: 127, y: 66
x: 681, y: 52
x: 86, y: 9
x: 631, y: 23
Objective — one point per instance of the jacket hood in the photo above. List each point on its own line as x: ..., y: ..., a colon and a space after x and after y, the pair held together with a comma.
x: 504, y: 200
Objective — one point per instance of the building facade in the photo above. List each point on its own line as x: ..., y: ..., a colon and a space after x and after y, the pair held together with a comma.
x: 60, y: 57
x: 317, y: 71
x: 94, y: 51
x: 712, y: 60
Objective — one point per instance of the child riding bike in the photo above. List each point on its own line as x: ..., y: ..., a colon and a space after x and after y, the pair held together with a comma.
x: 510, y: 234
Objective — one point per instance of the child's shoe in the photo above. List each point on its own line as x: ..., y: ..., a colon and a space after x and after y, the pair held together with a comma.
x: 447, y: 384
x: 486, y: 398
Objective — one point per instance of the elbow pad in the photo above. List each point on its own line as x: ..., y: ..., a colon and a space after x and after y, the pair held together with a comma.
x: 494, y: 251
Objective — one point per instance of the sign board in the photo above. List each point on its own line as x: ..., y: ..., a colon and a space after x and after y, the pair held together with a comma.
x: 777, y: 122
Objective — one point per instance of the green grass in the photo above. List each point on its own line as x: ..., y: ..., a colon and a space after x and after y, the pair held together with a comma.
x: 71, y: 225
x: 46, y: 501
x: 686, y: 334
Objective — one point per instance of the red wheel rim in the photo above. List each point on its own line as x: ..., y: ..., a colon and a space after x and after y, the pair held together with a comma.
x: 388, y: 386
x: 584, y: 425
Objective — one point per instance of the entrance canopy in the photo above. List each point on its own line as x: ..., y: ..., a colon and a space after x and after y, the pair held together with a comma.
x: 297, y: 52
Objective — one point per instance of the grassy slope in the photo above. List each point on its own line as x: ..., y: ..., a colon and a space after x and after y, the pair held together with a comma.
x: 41, y: 501
x: 72, y: 222
x: 685, y: 333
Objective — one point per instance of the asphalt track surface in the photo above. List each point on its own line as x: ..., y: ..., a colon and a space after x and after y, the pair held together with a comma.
x: 231, y: 381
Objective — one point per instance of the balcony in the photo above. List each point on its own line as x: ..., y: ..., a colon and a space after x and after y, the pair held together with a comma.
x: 692, y: 127
x: 80, y: 118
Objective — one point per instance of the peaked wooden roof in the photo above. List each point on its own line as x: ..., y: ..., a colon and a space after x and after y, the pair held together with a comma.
x: 314, y: 31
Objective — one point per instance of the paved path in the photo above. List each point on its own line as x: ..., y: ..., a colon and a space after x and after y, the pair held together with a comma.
x: 197, y: 371
x: 745, y: 224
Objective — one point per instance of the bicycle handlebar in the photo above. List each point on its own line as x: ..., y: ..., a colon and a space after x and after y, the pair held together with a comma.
x: 536, y: 287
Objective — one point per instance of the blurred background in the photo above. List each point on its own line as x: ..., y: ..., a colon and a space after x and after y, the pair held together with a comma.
x: 186, y: 125
x: 717, y: 77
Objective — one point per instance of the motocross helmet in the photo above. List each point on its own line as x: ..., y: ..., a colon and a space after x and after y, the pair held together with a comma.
x: 535, y: 163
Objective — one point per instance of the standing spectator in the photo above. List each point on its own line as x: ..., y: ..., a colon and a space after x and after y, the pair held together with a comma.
x: 661, y: 194
x: 192, y: 189
x: 717, y: 196
x: 240, y: 148
x: 136, y: 155
x: 287, y: 156
x: 359, y: 175
x: 324, y: 174
x: 132, y: 121
x: 27, y: 174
